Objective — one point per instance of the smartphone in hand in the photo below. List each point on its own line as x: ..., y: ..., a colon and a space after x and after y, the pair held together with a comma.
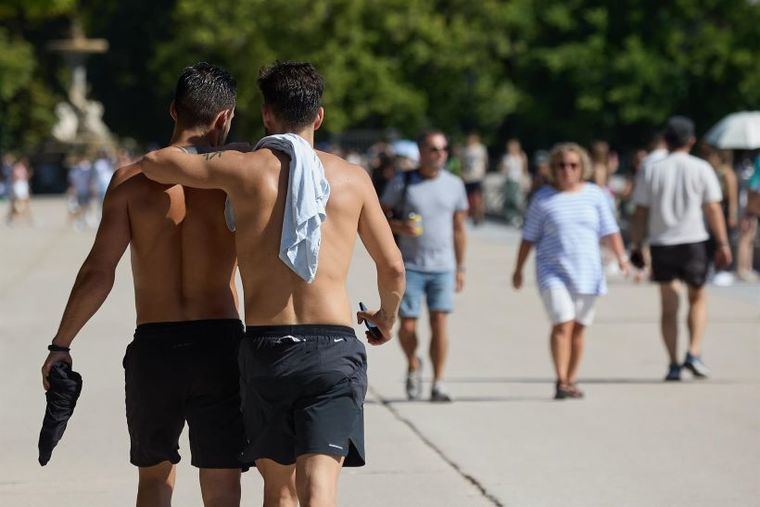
x: 372, y: 328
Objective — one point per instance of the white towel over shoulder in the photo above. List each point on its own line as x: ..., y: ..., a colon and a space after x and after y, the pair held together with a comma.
x: 305, y: 204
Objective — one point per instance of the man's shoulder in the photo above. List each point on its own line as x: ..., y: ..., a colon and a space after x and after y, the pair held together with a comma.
x: 335, y: 165
x: 129, y: 173
x: 451, y: 179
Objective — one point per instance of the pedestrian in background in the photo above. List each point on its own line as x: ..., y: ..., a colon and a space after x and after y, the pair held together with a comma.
x: 474, y: 168
x: 565, y: 222
x: 429, y: 208
x: 20, y: 192
x: 745, y: 244
x: 82, y: 185
x: 674, y: 196
x: 514, y: 164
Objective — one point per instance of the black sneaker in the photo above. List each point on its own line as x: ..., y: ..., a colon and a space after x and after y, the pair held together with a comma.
x: 695, y: 365
x: 674, y: 372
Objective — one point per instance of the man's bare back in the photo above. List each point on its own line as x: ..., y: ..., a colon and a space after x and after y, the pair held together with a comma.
x: 274, y: 293
x: 256, y: 183
x: 183, y: 255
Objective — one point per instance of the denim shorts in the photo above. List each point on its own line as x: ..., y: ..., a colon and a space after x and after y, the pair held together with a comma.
x: 438, y: 289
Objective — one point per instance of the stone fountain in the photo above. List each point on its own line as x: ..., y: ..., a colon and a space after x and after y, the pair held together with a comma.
x: 80, y: 120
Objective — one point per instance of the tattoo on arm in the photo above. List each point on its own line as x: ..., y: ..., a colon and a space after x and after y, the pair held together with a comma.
x: 213, y: 154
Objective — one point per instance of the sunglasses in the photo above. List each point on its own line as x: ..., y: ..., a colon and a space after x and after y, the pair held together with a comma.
x: 571, y: 165
x: 436, y: 149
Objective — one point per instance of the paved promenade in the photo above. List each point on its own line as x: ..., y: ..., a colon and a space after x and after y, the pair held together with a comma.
x: 634, y: 441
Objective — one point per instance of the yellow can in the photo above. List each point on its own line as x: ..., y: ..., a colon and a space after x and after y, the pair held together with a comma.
x: 416, y: 222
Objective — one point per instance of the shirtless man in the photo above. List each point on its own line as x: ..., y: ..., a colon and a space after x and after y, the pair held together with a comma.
x: 303, y: 370
x: 182, y: 364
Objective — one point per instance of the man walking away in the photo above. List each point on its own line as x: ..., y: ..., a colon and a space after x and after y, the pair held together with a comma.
x: 182, y: 364
x: 674, y: 196
x: 298, y: 212
x: 430, y: 209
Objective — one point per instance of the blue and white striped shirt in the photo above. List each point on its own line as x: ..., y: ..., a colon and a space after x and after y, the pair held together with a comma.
x: 565, y: 228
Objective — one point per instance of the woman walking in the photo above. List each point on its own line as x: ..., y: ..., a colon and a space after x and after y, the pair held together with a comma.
x: 565, y: 222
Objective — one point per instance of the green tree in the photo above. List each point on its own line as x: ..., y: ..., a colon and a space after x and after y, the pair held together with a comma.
x: 27, y: 98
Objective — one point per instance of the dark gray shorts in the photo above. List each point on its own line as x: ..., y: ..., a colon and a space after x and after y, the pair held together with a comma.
x: 302, y: 390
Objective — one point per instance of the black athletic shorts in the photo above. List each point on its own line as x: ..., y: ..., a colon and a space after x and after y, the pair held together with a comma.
x: 688, y: 262
x: 185, y: 371
x: 473, y: 186
x: 303, y: 390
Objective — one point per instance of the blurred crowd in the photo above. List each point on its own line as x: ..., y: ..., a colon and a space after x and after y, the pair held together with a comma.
x: 88, y: 177
x: 501, y: 186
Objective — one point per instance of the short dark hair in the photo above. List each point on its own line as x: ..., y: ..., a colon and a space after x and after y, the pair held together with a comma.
x: 678, y: 132
x: 294, y: 92
x: 423, y: 136
x: 203, y: 91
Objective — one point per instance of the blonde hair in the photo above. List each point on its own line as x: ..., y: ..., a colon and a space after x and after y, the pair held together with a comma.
x: 555, y: 156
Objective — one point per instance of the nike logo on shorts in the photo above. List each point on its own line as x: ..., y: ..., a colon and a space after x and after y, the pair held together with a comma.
x: 336, y: 340
x: 336, y: 446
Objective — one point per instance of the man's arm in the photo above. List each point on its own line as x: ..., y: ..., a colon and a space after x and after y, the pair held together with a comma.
x: 96, y: 276
x: 378, y: 240
x: 460, y: 245
x: 714, y: 216
x: 173, y: 165
x: 638, y: 226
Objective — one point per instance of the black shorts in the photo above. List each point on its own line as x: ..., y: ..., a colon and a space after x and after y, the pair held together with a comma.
x: 185, y: 371
x: 688, y: 262
x: 303, y: 390
x: 473, y: 186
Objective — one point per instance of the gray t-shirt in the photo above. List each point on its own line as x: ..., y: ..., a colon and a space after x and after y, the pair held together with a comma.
x: 675, y: 189
x: 435, y: 200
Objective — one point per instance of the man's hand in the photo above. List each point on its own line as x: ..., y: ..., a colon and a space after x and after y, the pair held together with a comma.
x: 517, y: 280
x: 460, y: 281
x: 382, y: 320
x: 403, y: 227
x: 723, y: 256
x: 637, y: 259
x: 52, y: 358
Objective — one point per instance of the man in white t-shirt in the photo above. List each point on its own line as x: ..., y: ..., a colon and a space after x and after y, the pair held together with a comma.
x: 674, y: 197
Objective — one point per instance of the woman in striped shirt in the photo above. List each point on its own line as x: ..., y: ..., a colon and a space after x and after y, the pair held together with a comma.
x: 565, y: 222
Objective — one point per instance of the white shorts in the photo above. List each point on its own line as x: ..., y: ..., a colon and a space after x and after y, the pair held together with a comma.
x: 562, y: 306
x: 20, y: 189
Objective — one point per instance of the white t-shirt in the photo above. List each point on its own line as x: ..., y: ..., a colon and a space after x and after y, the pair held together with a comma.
x: 474, y: 163
x: 675, y: 189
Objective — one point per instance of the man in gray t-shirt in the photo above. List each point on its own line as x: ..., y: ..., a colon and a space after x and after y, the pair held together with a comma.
x: 429, y: 207
x: 674, y: 196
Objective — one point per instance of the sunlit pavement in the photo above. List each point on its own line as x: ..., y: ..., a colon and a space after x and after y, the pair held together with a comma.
x: 634, y: 441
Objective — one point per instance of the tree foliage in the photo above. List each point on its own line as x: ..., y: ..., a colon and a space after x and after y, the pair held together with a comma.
x: 544, y: 70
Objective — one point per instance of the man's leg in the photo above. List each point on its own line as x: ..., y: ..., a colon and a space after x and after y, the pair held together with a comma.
x: 279, y: 483
x: 407, y: 337
x: 317, y: 479
x: 439, y: 343
x: 156, y: 485
x: 697, y: 319
x: 669, y: 318
x: 576, y: 351
x: 220, y: 487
